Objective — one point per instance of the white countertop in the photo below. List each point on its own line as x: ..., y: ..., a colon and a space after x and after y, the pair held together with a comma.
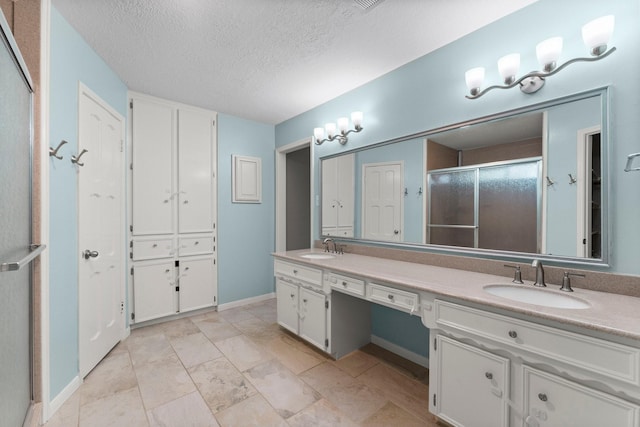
x: 608, y: 313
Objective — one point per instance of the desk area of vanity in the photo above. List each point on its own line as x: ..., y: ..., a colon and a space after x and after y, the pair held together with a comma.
x: 492, y: 361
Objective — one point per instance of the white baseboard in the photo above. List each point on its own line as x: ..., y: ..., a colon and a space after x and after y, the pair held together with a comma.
x: 400, y: 351
x: 246, y: 301
x: 57, y: 402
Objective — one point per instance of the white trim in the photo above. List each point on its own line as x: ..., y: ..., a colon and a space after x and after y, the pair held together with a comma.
x: 545, y: 191
x: 583, y: 192
x: 281, y: 190
x: 400, y: 351
x: 45, y: 73
x: 246, y: 301
x: 64, y: 395
x: 425, y: 145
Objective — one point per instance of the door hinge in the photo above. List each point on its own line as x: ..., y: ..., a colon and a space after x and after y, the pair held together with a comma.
x: 214, y: 261
x: 121, y: 145
x: 213, y: 122
x: 435, y: 344
x: 130, y: 104
x: 434, y: 399
x: 214, y: 298
x: 133, y: 316
x: 131, y: 254
x: 177, y: 288
x: 132, y: 271
x: 131, y: 244
x: 131, y: 166
x: 131, y: 228
x: 121, y: 307
x: 326, y: 304
x: 326, y: 342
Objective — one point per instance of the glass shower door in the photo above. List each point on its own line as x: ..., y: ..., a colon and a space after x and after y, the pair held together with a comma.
x: 16, y: 251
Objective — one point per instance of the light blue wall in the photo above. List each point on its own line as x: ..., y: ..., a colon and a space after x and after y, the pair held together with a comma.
x: 72, y: 61
x: 246, y: 231
x: 429, y: 92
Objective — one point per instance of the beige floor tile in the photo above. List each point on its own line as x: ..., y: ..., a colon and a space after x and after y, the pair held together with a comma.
x: 121, y: 409
x: 392, y: 415
x: 325, y: 376
x: 112, y: 375
x: 194, y: 349
x: 407, y: 393
x: 221, y: 384
x: 296, y: 360
x: 254, y: 411
x: 235, y: 315
x: 163, y: 381
x: 69, y: 413
x: 356, y: 363
x: 216, y: 329
x: 356, y: 400
x: 282, y: 389
x: 242, y: 352
x: 322, y: 414
x: 187, y: 411
x: 264, y: 311
x: 179, y: 328
x: 150, y: 349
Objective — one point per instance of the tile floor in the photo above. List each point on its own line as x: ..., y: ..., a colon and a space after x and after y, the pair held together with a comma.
x: 239, y: 368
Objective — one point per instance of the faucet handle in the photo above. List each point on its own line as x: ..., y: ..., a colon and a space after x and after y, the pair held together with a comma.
x: 517, y: 275
x: 566, y: 281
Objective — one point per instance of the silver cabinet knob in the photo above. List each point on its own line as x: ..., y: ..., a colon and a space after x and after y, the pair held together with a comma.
x: 89, y: 254
x: 513, y: 334
x: 542, y: 397
x: 390, y: 297
x: 488, y: 375
x: 344, y: 284
x: 396, y: 231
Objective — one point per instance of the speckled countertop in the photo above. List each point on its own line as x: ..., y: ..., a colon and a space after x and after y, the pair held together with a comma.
x: 608, y: 313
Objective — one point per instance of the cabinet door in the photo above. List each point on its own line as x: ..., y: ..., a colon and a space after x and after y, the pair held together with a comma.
x: 197, y: 283
x: 313, y: 317
x: 471, y: 385
x: 330, y: 194
x: 154, y: 290
x: 196, y: 159
x: 554, y: 401
x: 287, y: 305
x: 152, y: 178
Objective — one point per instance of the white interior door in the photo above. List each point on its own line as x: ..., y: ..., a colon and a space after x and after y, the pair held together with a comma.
x: 382, y: 201
x: 101, y: 229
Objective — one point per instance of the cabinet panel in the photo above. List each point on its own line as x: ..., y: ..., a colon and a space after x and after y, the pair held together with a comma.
x: 472, y: 385
x: 553, y: 401
x: 287, y: 305
x: 338, y: 196
x: 195, y: 245
x: 604, y: 357
x: 152, y: 248
x: 153, y: 135
x: 346, y: 284
x: 196, y: 153
x: 154, y: 292
x: 308, y: 274
x: 313, y: 317
x: 197, y: 284
x: 395, y: 298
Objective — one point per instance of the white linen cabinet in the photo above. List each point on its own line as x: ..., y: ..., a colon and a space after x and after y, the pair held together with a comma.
x: 338, y: 193
x: 173, y: 207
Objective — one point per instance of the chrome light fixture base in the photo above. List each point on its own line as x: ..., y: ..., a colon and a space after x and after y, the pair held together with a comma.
x: 532, y: 84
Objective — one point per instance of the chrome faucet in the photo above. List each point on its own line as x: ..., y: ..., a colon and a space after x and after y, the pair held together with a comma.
x: 326, y: 242
x: 537, y: 264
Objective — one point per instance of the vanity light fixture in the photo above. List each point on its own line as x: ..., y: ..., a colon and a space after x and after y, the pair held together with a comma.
x: 342, y: 127
x: 595, y: 34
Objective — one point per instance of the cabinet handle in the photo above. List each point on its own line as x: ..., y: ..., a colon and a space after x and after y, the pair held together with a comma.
x: 513, y: 334
x: 292, y: 295
x: 344, y: 284
x: 304, y: 301
x: 155, y: 245
x: 390, y: 297
x: 185, y: 202
x: 197, y: 243
x: 489, y: 375
x: 295, y: 271
x: 542, y: 397
x: 167, y: 270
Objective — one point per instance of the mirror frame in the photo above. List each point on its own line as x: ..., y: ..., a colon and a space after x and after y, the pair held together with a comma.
x: 603, y: 261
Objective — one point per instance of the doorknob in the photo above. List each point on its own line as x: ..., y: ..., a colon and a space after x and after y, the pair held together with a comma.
x: 396, y: 231
x: 89, y: 254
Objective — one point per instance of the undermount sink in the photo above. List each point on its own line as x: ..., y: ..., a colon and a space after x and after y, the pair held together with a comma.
x: 315, y: 255
x: 531, y: 295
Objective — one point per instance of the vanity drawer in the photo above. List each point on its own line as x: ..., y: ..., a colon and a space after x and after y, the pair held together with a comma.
x: 606, y: 358
x: 346, y: 284
x: 195, y: 245
x: 152, y: 248
x: 394, y: 298
x: 301, y: 272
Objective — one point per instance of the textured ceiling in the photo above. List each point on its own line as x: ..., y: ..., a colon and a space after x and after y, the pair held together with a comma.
x: 268, y: 60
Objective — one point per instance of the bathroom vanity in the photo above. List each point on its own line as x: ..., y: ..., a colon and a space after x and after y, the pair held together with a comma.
x: 571, y: 359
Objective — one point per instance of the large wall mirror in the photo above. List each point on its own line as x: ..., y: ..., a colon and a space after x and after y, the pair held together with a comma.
x: 528, y: 182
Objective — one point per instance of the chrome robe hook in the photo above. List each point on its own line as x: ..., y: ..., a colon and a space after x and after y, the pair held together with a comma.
x: 54, y: 153
x: 76, y: 160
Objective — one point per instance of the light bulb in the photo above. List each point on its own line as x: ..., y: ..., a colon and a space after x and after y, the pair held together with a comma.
x: 597, y: 33
x: 318, y: 133
x: 356, y: 119
x: 331, y: 129
x: 343, y: 124
x: 474, y: 78
x: 548, y: 52
x: 508, y: 66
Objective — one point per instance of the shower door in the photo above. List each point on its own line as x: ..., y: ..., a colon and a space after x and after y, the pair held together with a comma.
x: 16, y: 251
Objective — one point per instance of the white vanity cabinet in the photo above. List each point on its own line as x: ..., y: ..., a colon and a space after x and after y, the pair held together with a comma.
x: 558, y: 377
x: 338, y: 196
x: 302, y: 305
x: 173, y: 206
x: 470, y: 385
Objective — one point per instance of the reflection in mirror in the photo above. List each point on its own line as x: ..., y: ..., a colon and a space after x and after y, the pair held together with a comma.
x: 529, y: 182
